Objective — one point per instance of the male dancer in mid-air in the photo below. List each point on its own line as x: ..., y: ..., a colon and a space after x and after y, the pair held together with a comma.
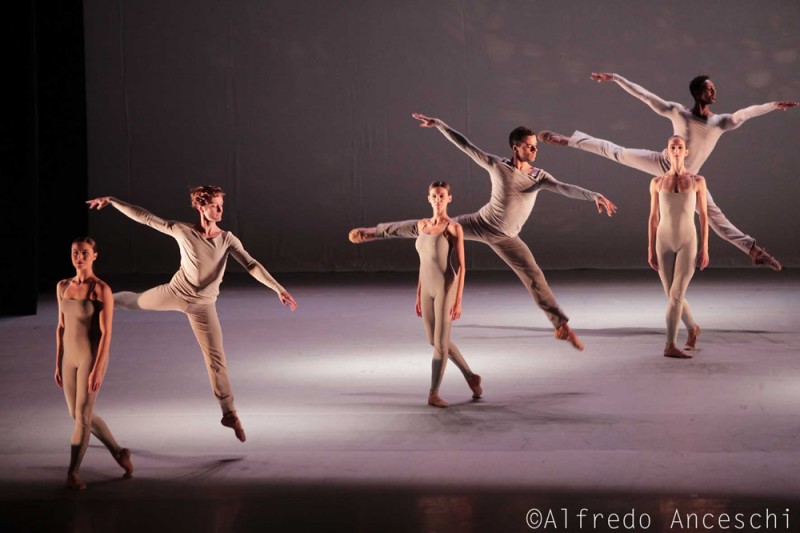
x: 515, y: 185
x: 700, y: 127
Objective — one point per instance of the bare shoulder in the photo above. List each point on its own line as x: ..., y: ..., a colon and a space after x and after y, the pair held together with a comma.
x: 655, y: 183
x: 421, y: 223
x: 61, y: 286
x: 102, y: 291
x: 454, y: 228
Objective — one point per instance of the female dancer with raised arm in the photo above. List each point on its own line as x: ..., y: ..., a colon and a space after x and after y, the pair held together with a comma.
x: 194, y: 288
x: 672, y: 240
x: 83, y: 337
x: 441, y: 287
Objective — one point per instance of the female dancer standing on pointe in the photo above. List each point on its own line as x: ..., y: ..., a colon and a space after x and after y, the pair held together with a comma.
x: 194, y: 288
x: 672, y: 242
x: 83, y: 337
x: 441, y: 287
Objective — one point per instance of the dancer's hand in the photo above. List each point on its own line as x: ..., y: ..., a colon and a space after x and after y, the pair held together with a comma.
x: 652, y: 260
x: 98, y: 203
x: 418, y: 307
x: 702, y: 259
x: 455, y: 311
x: 600, y: 77
x: 95, y: 380
x: 783, y: 106
x: 426, y: 122
x: 359, y: 235
x: 58, y: 379
x: 602, y: 202
x: 287, y: 300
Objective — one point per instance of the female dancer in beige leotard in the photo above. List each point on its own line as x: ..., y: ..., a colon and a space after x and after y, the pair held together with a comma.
x: 440, y: 288
x: 672, y: 244
x: 83, y: 336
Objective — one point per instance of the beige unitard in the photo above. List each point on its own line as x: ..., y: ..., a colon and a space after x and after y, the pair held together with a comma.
x: 81, y: 339
x: 499, y: 222
x: 438, y: 292
x: 701, y: 137
x: 194, y: 288
x: 676, y: 248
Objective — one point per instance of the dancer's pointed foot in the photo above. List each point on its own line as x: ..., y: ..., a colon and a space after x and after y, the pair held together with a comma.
x: 434, y: 400
x: 359, y: 235
x: 565, y: 333
x: 123, y: 458
x: 676, y: 353
x: 551, y: 137
x: 760, y: 256
x: 475, y: 384
x: 691, y: 341
x: 230, y: 420
x: 74, y: 481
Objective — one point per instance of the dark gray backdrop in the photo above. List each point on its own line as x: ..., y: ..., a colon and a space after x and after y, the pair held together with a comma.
x: 301, y: 111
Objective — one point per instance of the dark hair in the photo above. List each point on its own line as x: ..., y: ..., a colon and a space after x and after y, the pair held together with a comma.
x: 518, y: 134
x: 203, y: 194
x: 87, y: 240
x: 697, y: 85
x: 442, y: 184
x: 681, y: 137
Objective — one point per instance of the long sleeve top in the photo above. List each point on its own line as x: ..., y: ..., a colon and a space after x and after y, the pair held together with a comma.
x: 513, y: 191
x: 701, y: 134
x: 203, y: 260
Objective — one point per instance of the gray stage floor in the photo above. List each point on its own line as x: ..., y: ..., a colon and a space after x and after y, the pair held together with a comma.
x: 339, y: 435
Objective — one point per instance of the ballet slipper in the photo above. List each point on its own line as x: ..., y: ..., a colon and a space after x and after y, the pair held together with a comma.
x: 230, y: 420
x: 74, y: 482
x: 123, y: 458
x: 691, y: 342
x: 551, y: 137
x: 760, y: 256
x: 475, y: 384
x: 673, y: 351
x: 435, y: 401
x: 565, y: 333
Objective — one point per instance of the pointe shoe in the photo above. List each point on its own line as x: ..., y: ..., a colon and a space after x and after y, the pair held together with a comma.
x: 760, y: 256
x: 475, y: 384
x: 435, y: 401
x: 230, y: 420
x: 675, y: 353
x: 551, y: 137
x: 123, y: 458
x: 691, y: 342
x: 74, y: 482
x: 565, y: 333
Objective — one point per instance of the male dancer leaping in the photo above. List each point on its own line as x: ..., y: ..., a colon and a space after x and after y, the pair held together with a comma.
x: 700, y: 127
x: 515, y: 184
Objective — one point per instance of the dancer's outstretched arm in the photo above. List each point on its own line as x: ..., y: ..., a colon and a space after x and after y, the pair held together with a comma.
x: 140, y: 215
x: 656, y: 103
x: 257, y: 270
x: 479, y: 156
x: 734, y: 120
x: 551, y: 184
x: 702, y: 211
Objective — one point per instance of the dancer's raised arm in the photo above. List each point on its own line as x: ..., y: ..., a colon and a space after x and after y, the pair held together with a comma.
x: 734, y: 120
x: 479, y: 156
x: 134, y: 212
x: 551, y: 184
x: 656, y: 103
